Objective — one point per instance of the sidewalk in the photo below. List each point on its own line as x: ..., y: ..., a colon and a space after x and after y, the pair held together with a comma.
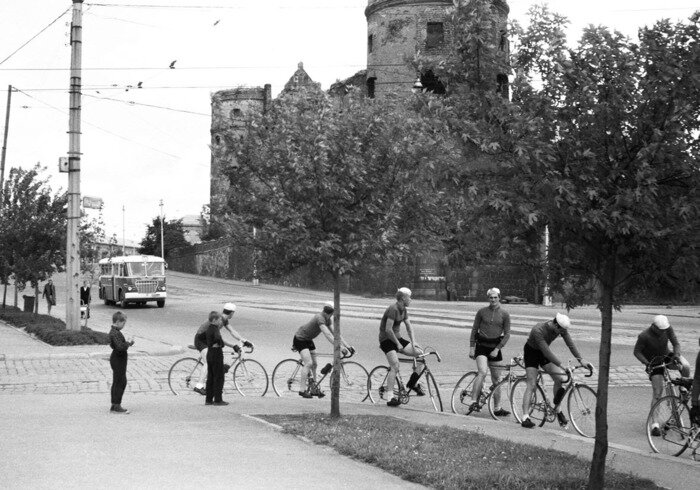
x: 169, y: 441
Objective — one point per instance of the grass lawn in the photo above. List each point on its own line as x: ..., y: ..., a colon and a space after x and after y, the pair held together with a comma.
x: 442, y: 457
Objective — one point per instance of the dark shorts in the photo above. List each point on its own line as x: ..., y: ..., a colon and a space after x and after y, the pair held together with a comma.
x: 299, y: 345
x: 660, y: 370
x: 388, y: 345
x: 483, y: 350
x: 534, y: 358
x: 199, y: 344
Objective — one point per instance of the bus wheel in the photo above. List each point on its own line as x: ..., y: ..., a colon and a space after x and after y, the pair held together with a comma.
x: 104, y: 296
x: 160, y: 303
x: 122, y: 300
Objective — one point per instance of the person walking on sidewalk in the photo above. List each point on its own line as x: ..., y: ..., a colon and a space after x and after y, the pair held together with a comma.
x: 490, y: 333
x: 652, y: 348
x: 303, y: 343
x: 391, y: 343
x: 50, y: 294
x: 537, y: 354
x: 118, y: 360
x: 85, y: 297
x: 215, y: 360
x: 200, y: 343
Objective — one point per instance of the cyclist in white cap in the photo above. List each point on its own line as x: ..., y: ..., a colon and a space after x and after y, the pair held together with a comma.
x: 200, y: 343
x: 537, y: 354
x: 652, y: 350
x: 303, y: 343
x: 391, y: 343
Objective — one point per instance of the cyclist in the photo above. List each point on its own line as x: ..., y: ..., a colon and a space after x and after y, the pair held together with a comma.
x: 303, y: 343
x: 652, y: 347
x: 538, y: 354
x: 490, y: 333
x: 200, y: 343
x: 392, y: 344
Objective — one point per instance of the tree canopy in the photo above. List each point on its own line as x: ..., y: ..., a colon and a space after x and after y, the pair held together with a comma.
x: 173, y: 237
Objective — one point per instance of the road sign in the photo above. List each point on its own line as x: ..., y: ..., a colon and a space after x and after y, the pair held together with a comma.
x: 92, y: 202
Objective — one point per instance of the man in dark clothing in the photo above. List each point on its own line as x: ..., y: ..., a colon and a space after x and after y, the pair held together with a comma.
x: 118, y: 360
x: 85, y: 297
x: 215, y: 361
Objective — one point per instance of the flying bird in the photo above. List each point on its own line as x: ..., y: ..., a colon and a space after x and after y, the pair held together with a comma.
x: 217, y: 21
x: 139, y: 85
x: 172, y: 64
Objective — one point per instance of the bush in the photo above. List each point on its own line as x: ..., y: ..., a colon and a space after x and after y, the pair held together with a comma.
x: 50, y: 329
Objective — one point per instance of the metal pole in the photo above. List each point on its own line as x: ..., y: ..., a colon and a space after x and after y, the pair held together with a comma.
x: 72, y: 238
x: 123, y: 230
x: 4, y: 146
x: 546, y: 296
x: 162, y: 244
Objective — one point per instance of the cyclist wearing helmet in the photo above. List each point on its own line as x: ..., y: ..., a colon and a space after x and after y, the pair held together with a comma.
x: 490, y: 333
x: 200, y: 343
x: 392, y: 343
x: 537, y: 354
x: 652, y: 348
x: 304, y: 344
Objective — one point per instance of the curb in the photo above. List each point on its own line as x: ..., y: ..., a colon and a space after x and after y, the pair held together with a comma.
x: 173, y: 351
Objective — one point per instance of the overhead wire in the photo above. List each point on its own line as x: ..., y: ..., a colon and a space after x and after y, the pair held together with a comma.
x: 35, y: 35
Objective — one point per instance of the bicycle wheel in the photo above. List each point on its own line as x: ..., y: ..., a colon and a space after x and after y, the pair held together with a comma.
x: 353, y: 381
x: 183, y: 375
x: 538, y: 402
x: 285, y: 377
x: 376, y: 382
x: 433, y: 391
x: 503, y: 387
x: 250, y: 378
x: 462, y: 394
x: 581, y: 404
x: 671, y: 417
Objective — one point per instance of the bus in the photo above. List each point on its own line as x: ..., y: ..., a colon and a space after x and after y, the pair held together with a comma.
x: 133, y: 279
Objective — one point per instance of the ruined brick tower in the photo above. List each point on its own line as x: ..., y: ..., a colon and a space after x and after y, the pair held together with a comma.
x: 230, y: 109
x: 397, y: 30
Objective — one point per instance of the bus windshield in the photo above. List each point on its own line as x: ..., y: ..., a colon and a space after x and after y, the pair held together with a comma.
x: 146, y: 269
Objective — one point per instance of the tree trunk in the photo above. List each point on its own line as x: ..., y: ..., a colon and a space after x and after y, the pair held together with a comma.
x: 596, y: 477
x: 15, y: 294
x: 335, y: 374
x: 36, y: 299
x: 4, y: 295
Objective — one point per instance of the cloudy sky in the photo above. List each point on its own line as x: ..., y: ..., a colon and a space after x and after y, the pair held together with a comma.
x: 141, y: 145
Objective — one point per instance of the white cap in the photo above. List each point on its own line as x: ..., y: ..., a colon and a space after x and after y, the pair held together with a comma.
x: 562, y: 320
x: 329, y: 304
x: 405, y: 291
x: 229, y: 308
x: 661, y: 322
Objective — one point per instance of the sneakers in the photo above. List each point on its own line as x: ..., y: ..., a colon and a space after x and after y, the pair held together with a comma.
x: 474, y: 407
x: 316, y: 391
x: 220, y: 402
x: 118, y: 409
x: 655, y: 430
x: 563, y: 421
x: 394, y: 402
x: 501, y: 412
x: 418, y: 389
x: 527, y: 423
x: 201, y: 391
x: 305, y: 394
x: 208, y: 403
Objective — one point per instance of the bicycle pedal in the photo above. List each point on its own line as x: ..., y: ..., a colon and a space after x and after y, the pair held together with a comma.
x: 327, y: 368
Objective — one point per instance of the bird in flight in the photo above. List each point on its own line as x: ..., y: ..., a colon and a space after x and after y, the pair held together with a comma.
x: 139, y: 85
x: 172, y: 64
x: 217, y: 21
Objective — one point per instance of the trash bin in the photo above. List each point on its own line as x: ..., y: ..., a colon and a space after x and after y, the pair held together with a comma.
x: 28, y: 303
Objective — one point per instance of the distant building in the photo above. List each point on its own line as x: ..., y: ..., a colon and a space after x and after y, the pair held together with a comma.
x: 113, y: 248
x: 192, y: 228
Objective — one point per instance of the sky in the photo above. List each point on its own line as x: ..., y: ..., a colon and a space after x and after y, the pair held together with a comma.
x: 143, y: 145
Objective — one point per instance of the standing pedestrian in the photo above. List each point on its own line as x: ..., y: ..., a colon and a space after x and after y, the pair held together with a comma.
x: 118, y: 360
x: 85, y: 297
x: 215, y: 361
x: 50, y: 294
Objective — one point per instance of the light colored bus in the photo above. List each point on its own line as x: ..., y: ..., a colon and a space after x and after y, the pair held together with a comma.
x: 132, y: 279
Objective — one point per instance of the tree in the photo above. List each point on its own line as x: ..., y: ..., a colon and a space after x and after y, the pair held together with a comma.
x: 91, y: 232
x: 331, y: 185
x: 173, y: 237
x: 621, y: 184
x: 34, y: 228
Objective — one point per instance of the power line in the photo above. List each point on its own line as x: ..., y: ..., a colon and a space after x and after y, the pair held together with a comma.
x: 216, y: 7
x: 132, y: 103
x: 179, y: 68
x: 35, y: 35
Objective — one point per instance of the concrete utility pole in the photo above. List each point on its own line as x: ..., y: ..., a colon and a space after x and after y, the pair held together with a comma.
x: 72, y: 238
x: 123, y: 229
x: 4, y: 146
x: 162, y: 244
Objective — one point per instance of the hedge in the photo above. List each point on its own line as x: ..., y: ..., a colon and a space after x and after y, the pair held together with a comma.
x: 50, y: 329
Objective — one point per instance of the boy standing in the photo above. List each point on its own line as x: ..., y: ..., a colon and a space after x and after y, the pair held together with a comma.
x: 118, y: 360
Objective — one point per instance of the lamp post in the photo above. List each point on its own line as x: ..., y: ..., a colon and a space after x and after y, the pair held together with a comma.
x: 162, y: 245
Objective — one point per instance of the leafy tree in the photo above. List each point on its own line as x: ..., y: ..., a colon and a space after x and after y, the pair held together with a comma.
x: 91, y: 232
x: 34, y: 228
x: 173, y: 237
x: 621, y: 183
x: 332, y: 184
